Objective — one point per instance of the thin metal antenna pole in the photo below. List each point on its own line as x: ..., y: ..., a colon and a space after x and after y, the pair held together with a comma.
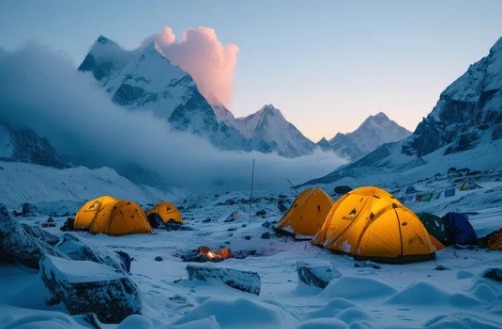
x: 251, y: 194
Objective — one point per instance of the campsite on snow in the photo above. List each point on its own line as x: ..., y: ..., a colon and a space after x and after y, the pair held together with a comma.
x: 180, y: 215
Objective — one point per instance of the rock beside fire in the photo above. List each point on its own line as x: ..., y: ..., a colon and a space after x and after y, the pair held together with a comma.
x: 242, y: 280
x: 319, y: 274
x: 88, y: 287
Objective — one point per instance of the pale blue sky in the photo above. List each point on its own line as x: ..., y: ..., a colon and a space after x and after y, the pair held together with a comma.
x: 326, y: 65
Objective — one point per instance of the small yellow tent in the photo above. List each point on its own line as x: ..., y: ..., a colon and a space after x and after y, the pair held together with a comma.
x: 369, y: 223
x: 85, y: 216
x: 307, y: 213
x: 167, y: 212
x: 120, y: 218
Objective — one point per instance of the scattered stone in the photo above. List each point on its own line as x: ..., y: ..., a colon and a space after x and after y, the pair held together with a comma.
x: 318, y: 275
x: 493, y: 274
x: 441, y: 268
x: 28, y: 209
x: 158, y: 259
x: 265, y: 235
x: 241, y: 280
x: 233, y: 216
x: 88, y: 287
x: 48, y: 225
x: 261, y: 213
x: 280, y: 204
x: 207, y: 220
x: 266, y: 224
x: 18, y: 245
x: 247, y: 237
x: 231, y: 229
x: 68, y: 225
x: 176, y: 227
x: 367, y: 263
x: 244, y: 225
x: 50, y: 220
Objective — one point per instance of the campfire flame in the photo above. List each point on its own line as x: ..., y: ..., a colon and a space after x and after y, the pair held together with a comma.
x: 212, y: 255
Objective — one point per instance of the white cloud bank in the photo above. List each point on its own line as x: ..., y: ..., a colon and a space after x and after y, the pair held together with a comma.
x: 41, y: 90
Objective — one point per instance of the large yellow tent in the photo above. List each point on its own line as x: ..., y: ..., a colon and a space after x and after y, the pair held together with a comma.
x: 369, y: 223
x: 119, y: 218
x: 167, y: 212
x: 85, y: 216
x: 307, y: 213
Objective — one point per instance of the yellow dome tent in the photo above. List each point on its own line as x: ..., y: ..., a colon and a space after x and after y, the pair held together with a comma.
x: 85, y: 216
x: 120, y: 218
x: 307, y: 213
x: 369, y: 223
x: 167, y: 212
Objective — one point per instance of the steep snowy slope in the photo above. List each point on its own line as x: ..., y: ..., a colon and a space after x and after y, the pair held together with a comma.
x: 463, y: 130
x: 269, y: 131
x: 24, y: 182
x: 374, y: 131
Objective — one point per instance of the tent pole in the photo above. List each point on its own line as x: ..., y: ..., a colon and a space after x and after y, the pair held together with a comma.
x: 292, y: 187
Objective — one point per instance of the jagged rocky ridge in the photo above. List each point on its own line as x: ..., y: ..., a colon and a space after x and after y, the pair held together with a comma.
x: 26, y: 146
x: 144, y: 79
x: 467, y: 118
x: 374, y: 131
x: 468, y: 112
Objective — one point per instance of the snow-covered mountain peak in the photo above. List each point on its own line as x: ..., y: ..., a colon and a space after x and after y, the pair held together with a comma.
x: 468, y: 111
x: 270, y: 110
x: 269, y: 131
x: 497, y: 47
x: 374, y: 131
x: 153, y: 49
x: 102, y: 39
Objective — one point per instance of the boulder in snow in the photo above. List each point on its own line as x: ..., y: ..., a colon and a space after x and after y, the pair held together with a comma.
x: 17, y: 244
x: 41, y: 234
x: 233, y: 216
x: 319, y: 274
x: 88, y: 287
x: 78, y: 249
x: 242, y: 280
x: 493, y: 274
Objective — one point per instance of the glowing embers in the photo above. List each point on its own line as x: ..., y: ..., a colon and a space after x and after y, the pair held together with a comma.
x: 205, y: 254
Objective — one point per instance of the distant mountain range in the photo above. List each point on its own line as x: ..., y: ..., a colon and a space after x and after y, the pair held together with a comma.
x: 144, y: 79
x: 464, y: 129
x: 374, y: 131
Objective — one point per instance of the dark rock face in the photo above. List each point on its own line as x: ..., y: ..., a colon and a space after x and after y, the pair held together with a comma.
x: 493, y: 274
x: 468, y: 109
x: 87, y: 287
x: 16, y: 243
x: 241, y: 280
x: 31, y: 148
x: 318, y: 275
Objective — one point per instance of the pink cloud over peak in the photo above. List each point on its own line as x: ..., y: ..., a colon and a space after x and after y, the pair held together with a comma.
x: 205, y: 58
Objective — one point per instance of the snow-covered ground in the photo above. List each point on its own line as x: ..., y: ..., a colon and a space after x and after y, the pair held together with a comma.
x: 416, y: 295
